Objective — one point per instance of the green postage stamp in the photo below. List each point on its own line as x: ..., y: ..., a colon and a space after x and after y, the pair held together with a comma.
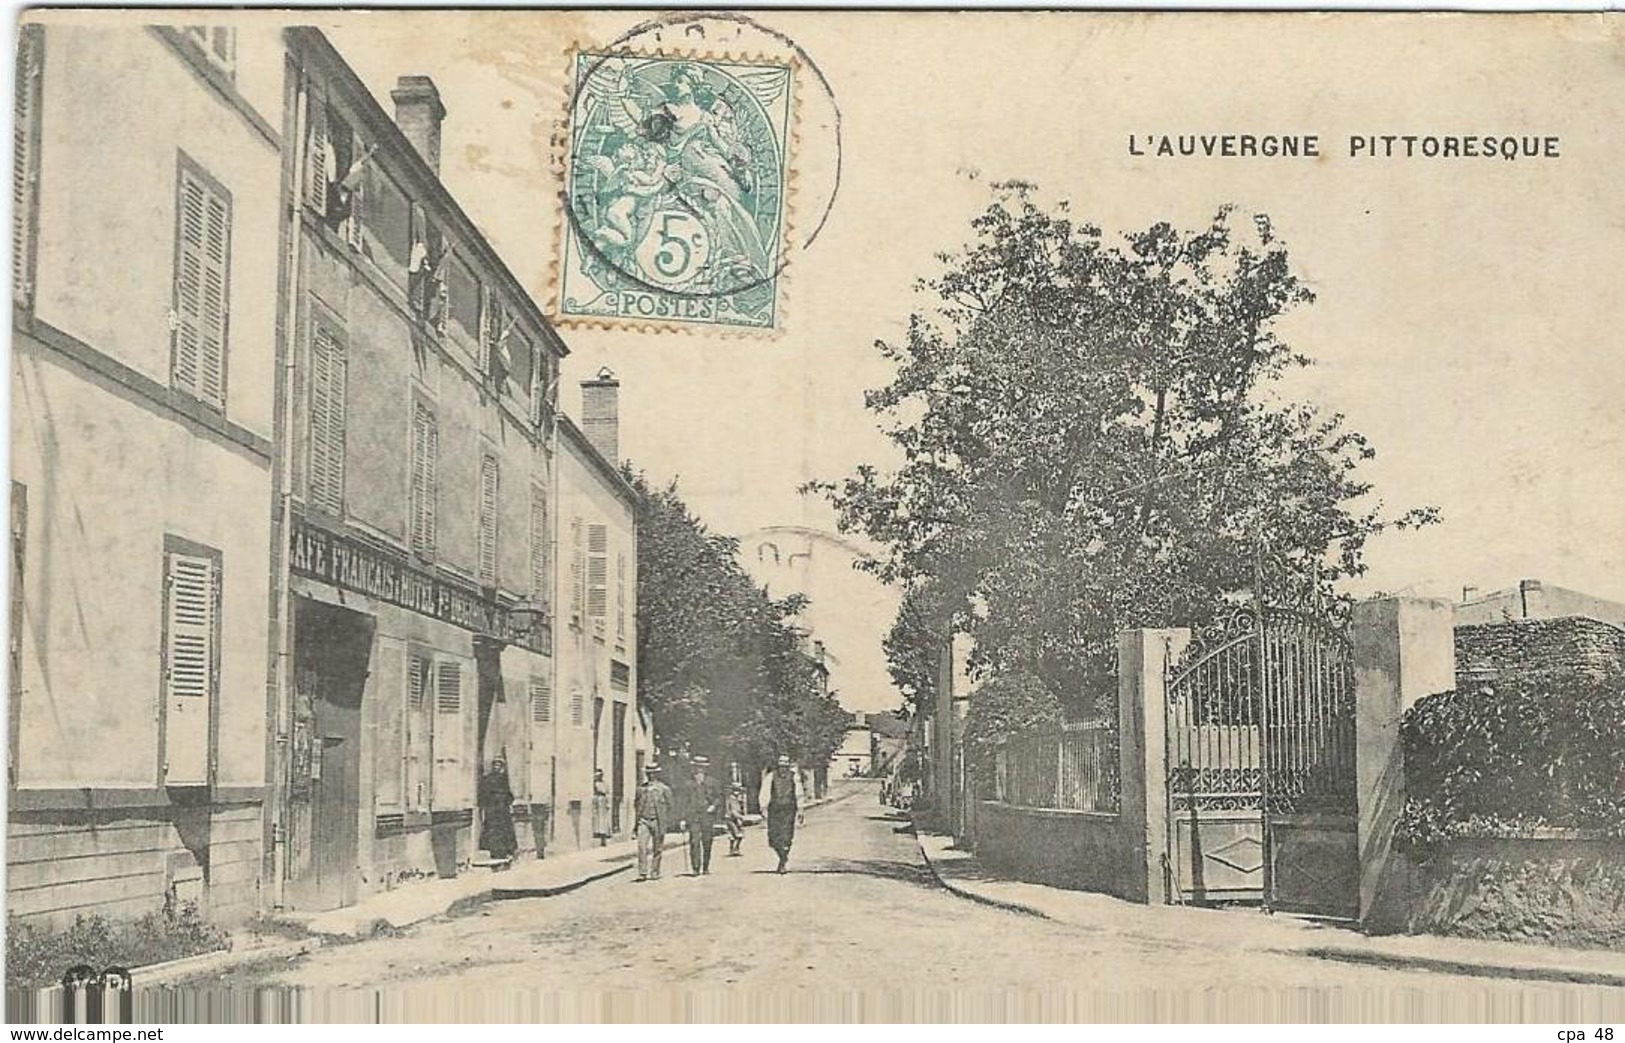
x: 676, y: 191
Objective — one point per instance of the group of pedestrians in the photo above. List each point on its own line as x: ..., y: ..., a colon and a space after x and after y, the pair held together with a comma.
x: 703, y: 806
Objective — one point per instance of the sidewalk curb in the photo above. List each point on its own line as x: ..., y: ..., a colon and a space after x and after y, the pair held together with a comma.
x: 968, y: 894
x: 1470, y: 968
x: 220, y: 959
x: 1342, y: 954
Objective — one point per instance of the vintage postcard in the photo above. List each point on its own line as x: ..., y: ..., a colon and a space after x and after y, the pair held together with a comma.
x: 816, y: 516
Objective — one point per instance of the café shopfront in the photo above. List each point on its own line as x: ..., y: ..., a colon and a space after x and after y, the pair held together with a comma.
x: 407, y: 685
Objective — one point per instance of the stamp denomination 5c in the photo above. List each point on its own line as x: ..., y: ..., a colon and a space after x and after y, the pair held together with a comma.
x: 676, y: 190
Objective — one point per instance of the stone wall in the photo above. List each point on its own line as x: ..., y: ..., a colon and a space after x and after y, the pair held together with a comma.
x: 1559, y: 888
x: 1487, y: 650
x: 1081, y: 850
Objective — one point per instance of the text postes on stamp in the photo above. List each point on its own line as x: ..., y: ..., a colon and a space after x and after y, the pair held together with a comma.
x: 676, y: 190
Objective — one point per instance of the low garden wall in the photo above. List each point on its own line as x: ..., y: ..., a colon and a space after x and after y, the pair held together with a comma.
x: 1559, y: 887
x: 1081, y: 850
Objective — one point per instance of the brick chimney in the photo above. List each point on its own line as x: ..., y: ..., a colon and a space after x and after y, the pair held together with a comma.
x: 419, y: 113
x: 601, y: 414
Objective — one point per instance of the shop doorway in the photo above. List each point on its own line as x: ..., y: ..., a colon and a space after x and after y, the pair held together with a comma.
x: 332, y: 651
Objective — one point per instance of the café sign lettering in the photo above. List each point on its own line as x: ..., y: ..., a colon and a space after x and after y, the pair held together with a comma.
x: 349, y: 564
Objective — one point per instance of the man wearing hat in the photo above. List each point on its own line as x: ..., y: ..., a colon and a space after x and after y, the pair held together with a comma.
x: 704, y: 806
x: 652, y: 811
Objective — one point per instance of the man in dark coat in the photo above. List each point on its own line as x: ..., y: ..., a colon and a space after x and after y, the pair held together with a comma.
x: 702, y: 810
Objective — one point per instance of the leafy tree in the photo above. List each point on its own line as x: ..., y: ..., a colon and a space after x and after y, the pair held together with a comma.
x: 1007, y: 704
x: 926, y: 616
x: 1093, y: 437
x: 721, y: 666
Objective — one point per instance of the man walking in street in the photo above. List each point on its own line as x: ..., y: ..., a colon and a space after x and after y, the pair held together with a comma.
x: 781, y: 799
x: 700, y: 817
x: 652, y: 810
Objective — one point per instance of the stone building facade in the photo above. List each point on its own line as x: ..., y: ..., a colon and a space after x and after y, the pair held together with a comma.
x: 286, y: 493
x: 144, y: 332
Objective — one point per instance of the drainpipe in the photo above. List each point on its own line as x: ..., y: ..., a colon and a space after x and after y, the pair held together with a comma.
x: 554, y: 485
x: 281, y: 766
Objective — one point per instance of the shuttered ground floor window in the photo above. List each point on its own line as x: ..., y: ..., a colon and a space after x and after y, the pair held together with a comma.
x: 453, y: 767
x: 191, y: 660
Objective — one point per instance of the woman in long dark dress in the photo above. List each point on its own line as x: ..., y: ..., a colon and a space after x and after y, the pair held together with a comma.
x: 496, y: 812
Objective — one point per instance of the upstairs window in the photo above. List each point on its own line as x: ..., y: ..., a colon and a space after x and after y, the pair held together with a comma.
x: 540, y: 539
x: 620, y: 601
x: 541, y: 700
x: 578, y: 571
x: 426, y: 272
x: 520, y: 354
x: 489, y: 491
x: 217, y: 44
x: 425, y: 460
x: 335, y: 178
x: 463, y: 299
x: 597, y: 576
x: 328, y: 389
x: 544, y: 398
x: 202, y: 284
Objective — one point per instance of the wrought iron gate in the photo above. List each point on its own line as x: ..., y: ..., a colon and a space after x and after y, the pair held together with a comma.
x: 1260, y: 756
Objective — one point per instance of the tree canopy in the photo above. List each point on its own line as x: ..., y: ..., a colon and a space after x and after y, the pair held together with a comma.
x: 721, y: 663
x: 1093, y: 437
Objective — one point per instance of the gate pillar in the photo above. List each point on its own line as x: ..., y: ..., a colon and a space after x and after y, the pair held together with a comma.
x: 1404, y: 649
x: 1142, y: 662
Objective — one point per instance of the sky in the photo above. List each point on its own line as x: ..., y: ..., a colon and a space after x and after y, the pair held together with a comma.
x: 1466, y: 312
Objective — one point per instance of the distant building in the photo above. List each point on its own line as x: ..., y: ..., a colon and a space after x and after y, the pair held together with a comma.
x: 888, y: 738
x: 849, y: 610
x: 854, y: 757
x: 1533, y: 629
x: 598, y: 724
x: 1532, y: 599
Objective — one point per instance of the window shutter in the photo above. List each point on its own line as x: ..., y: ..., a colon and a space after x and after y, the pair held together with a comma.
x: 490, y: 326
x: 448, y: 688
x: 191, y: 625
x: 24, y: 162
x: 316, y: 158
x: 597, y: 574
x: 203, y: 234
x: 489, y: 475
x: 216, y: 258
x: 357, y: 183
x: 538, y: 546
x: 541, y: 700
x: 578, y: 706
x: 578, y: 571
x: 450, y: 788
x: 187, y: 362
x: 327, y: 419
x: 620, y: 599
x: 389, y: 754
x: 419, y: 730
x: 425, y: 459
